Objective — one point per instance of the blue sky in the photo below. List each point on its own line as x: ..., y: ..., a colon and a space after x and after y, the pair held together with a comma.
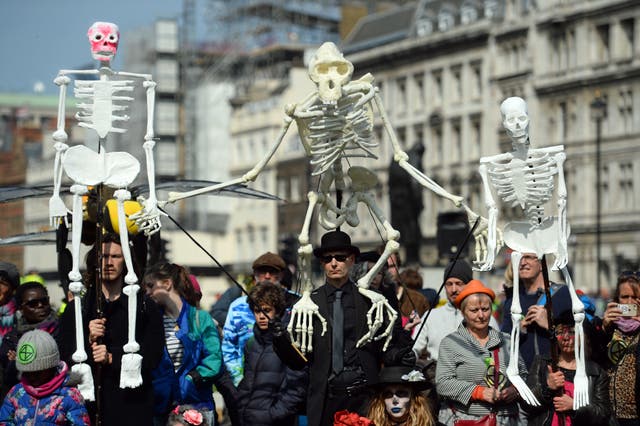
x: 39, y: 37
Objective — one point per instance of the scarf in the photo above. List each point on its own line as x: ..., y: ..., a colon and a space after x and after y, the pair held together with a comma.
x: 49, y: 324
x: 628, y: 325
x: 49, y: 387
x: 7, y: 313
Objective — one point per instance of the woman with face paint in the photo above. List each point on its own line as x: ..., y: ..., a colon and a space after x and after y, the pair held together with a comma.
x: 398, y: 399
x: 471, y: 374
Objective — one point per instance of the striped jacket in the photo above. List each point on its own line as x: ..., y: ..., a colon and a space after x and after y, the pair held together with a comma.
x: 463, y: 364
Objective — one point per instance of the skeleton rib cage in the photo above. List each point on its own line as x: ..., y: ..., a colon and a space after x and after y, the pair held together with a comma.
x: 528, y: 184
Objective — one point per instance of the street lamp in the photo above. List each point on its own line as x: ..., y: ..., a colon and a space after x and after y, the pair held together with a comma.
x: 598, y: 113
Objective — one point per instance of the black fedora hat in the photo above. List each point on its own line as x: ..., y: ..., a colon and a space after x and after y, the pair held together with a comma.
x: 335, y: 240
x: 402, y: 375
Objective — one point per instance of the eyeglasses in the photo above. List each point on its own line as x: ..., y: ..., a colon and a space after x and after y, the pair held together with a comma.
x: 34, y: 303
x: 339, y: 257
x: 400, y: 393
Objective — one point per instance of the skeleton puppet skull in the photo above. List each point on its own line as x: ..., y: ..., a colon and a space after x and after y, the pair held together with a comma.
x: 515, y: 119
x: 330, y: 71
x: 104, y: 37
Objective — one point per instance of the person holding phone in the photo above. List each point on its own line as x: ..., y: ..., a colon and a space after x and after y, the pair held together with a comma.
x: 622, y: 329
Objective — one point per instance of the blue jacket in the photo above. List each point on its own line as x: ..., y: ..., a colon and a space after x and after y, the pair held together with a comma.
x: 191, y: 383
x: 62, y: 405
x: 270, y: 394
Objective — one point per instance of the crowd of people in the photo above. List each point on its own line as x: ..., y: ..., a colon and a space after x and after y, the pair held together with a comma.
x: 444, y: 364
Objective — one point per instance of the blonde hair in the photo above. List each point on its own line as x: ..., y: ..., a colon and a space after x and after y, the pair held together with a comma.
x: 420, y: 413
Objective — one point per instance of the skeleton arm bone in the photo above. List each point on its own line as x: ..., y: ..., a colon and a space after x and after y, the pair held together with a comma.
x: 563, y: 253
x: 148, y: 219
x: 250, y: 176
x: 487, y: 258
x: 57, y: 209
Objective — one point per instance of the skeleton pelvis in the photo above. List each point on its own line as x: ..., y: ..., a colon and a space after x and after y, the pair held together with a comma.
x: 541, y: 239
x: 87, y: 167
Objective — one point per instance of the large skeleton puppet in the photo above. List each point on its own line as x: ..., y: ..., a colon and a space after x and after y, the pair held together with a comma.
x: 335, y: 123
x: 525, y: 178
x: 103, y: 103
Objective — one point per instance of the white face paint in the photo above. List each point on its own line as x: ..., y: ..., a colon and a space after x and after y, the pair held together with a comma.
x: 515, y: 119
x: 397, y: 401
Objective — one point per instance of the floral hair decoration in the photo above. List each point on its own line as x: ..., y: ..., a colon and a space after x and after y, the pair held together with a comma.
x: 191, y: 416
x: 413, y: 376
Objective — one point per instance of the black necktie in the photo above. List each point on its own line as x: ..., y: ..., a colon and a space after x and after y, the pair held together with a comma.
x: 338, y: 327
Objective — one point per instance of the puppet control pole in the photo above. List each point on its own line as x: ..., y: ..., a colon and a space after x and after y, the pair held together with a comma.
x: 554, y: 349
x: 98, y: 288
x: 233, y: 280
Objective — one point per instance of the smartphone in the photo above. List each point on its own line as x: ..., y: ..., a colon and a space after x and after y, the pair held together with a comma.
x: 628, y: 310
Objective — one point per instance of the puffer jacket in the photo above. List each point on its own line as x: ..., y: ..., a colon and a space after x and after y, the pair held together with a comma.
x: 270, y: 393
x: 201, y: 364
x: 597, y: 413
x: 54, y: 403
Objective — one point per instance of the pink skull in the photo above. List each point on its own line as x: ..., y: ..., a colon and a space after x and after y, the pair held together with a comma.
x: 104, y: 37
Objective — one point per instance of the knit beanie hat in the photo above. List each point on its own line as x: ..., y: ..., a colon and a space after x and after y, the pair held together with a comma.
x: 37, y: 351
x: 460, y: 270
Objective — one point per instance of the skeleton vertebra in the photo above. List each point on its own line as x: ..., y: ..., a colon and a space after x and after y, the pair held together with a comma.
x: 525, y: 178
x: 101, y: 100
x: 335, y: 123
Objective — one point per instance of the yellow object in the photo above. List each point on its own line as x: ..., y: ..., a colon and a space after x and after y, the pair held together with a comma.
x: 31, y: 278
x: 130, y: 207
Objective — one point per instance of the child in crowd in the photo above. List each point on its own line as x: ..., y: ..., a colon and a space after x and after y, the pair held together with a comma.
x: 44, y: 394
x: 270, y: 393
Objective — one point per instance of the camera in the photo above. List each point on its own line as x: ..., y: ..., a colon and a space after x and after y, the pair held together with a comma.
x: 628, y: 310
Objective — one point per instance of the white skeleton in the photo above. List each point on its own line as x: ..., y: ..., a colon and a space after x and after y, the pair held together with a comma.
x: 525, y: 177
x: 335, y: 123
x: 104, y: 101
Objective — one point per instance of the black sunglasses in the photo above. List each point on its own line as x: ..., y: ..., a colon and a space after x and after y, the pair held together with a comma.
x: 339, y: 257
x: 400, y: 393
x: 33, y: 303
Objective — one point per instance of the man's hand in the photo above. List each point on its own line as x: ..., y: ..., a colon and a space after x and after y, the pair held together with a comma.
x: 563, y: 403
x: 508, y: 394
x: 414, y: 319
x: 536, y: 314
x: 555, y: 380
x: 277, y: 328
x: 11, y: 355
x: 96, y: 329
x: 100, y: 354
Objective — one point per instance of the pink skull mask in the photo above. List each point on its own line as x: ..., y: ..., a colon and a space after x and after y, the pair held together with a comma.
x: 104, y: 37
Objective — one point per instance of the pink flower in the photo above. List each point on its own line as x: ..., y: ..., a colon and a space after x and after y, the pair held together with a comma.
x: 193, y: 417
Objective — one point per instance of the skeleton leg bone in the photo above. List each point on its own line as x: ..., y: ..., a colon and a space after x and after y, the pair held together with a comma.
x: 76, y: 287
x: 514, y: 353
x: 130, y: 376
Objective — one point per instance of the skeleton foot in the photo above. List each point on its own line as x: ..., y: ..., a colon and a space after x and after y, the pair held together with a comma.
x: 379, y: 305
x: 302, y: 315
x: 57, y: 211
x: 148, y: 219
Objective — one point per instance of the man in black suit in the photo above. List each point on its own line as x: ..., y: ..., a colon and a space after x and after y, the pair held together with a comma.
x: 340, y: 372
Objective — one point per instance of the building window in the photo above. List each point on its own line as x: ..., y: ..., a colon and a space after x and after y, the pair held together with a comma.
x: 456, y: 77
x: 564, y: 121
x: 456, y: 141
x: 437, y: 143
x: 476, y: 81
x: 603, y: 53
x: 627, y: 40
x: 418, y: 81
x: 401, y: 85
x: 446, y: 20
x: 468, y: 13
x: 476, y: 138
x: 437, y: 87
x: 626, y: 186
x: 424, y: 27
x: 625, y: 108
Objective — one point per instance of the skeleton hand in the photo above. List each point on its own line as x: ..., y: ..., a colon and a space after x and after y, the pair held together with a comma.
x: 57, y: 211
x: 379, y: 305
x: 148, y: 219
x: 302, y: 315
